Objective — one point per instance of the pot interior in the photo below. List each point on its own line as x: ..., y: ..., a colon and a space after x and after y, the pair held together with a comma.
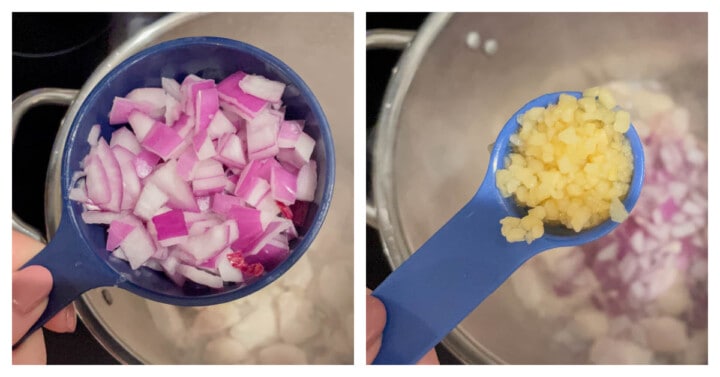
x: 459, y: 99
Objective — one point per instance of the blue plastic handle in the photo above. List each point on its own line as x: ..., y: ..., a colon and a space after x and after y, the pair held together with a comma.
x: 74, y: 268
x: 444, y: 280
x: 468, y: 258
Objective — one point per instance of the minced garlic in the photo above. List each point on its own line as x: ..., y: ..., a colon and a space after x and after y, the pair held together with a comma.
x: 571, y: 164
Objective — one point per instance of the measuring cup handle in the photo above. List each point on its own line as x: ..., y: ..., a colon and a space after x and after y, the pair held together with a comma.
x: 74, y: 270
x: 444, y: 280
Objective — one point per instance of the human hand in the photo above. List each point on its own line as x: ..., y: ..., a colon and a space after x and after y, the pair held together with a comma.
x: 30, y: 289
x: 375, y: 323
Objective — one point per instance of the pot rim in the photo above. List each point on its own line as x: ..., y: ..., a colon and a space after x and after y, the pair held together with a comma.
x: 389, y: 224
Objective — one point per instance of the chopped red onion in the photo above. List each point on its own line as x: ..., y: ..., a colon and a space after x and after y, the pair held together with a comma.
x: 117, y: 232
x: 203, y: 145
x: 151, y: 199
x: 114, y: 176
x: 246, y: 104
x: 200, y: 167
x: 290, y: 131
x: 261, y: 87
x: 172, y: 88
x: 162, y: 140
x: 94, y: 135
x: 96, y: 181
x: 138, y: 246
x: 141, y: 124
x: 206, y: 106
x: 307, y: 182
x: 283, y: 184
x: 230, y: 151
x: 199, y: 276
x: 170, y: 224
x: 145, y: 162
x: 130, y: 180
x: 122, y: 108
x: 173, y: 110
x: 126, y: 139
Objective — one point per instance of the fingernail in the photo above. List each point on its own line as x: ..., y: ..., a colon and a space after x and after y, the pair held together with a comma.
x: 30, y: 286
x: 70, y: 318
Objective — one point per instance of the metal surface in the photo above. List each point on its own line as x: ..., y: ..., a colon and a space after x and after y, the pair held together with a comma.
x: 319, y: 48
x: 447, y: 102
x: 20, y: 106
x: 384, y: 39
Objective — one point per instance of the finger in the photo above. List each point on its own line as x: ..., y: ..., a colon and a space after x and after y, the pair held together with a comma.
x: 375, y: 323
x: 372, y: 349
x: 23, y: 249
x: 31, y: 351
x: 64, y: 321
x: 375, y: 318
x: 429, y: 359
x: 30, y: 289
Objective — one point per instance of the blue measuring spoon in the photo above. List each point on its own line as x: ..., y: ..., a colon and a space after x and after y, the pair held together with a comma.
x: 468, y: 258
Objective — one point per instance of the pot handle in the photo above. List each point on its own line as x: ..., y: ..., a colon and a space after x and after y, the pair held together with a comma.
x: 20, y: 105
x: 377, y: 39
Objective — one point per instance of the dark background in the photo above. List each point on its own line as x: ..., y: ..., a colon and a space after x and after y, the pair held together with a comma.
x: 379, y: 66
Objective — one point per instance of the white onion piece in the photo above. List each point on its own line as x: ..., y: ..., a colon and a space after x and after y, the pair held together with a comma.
x: 173, y: 110
x: 130, y: 180
x: 199, y: 276
x: 307, y: 182
x: 261, y: 87
x: 150, y: 201
x: 207, y: 244
x: 236, y: 100
x: 141, y: 124
x: 171, y: 87
x: 226, y: 270
x: 98, y: 217
x: 154, y: 98
x: 126, y: 139
x: 138, y: 247
x: 94, y: 135
x: 114, y: 176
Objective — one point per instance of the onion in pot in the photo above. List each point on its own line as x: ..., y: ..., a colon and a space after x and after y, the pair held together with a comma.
x: 651, y: 270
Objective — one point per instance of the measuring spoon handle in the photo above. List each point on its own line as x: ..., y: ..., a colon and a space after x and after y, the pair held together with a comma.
x: 444, y: 280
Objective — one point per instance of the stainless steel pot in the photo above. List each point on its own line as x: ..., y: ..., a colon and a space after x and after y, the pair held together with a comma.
x: 319, y: 48
x: 449, y: 96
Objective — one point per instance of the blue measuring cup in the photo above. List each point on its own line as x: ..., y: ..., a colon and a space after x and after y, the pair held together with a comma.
x: 468, y: 258
x: 76, y: 256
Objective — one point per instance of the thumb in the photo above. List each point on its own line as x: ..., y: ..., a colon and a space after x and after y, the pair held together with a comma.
x: 30, y: 289
x: 375, y: 323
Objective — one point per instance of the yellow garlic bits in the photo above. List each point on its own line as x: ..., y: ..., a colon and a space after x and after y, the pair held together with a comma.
x: 571, y: 164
